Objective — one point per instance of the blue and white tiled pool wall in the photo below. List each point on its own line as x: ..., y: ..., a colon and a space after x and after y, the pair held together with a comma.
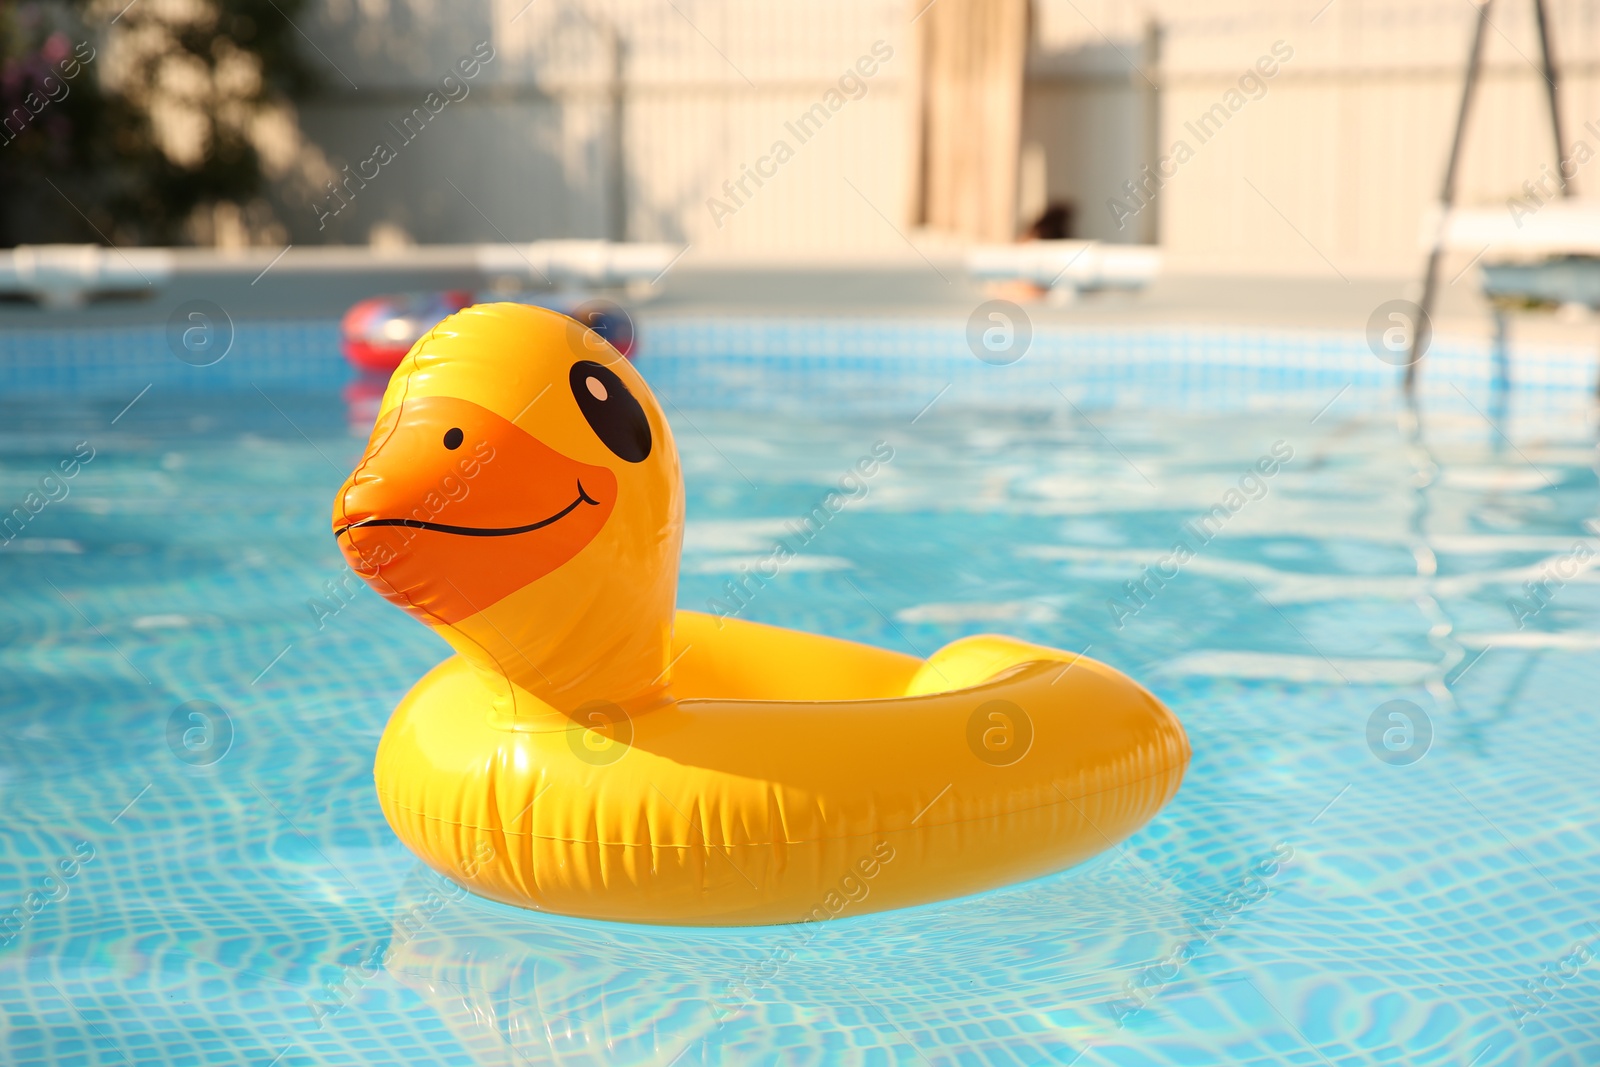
x: 883, y: 365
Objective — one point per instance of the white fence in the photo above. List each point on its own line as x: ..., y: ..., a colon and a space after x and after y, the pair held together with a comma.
x: 1327, y: 167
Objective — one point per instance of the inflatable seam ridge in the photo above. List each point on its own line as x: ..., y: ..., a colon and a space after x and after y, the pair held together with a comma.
x: 705, y: 842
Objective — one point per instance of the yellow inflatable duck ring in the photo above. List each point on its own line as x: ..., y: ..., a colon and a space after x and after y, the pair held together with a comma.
x: 593, y: 752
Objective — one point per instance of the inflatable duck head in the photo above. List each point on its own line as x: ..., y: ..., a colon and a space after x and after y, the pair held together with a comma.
x: 521, y: 495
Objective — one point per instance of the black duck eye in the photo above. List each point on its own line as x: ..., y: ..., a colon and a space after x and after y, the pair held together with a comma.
x: 453, y: 438
x: 614, y: 415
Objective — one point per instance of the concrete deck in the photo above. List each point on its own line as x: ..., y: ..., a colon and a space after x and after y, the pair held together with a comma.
x: 905, y: 286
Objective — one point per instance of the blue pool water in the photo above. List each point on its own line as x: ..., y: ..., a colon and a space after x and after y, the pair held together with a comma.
x: 223, y: 889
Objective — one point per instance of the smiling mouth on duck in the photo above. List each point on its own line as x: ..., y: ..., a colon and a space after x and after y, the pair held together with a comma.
x: 473, y: 531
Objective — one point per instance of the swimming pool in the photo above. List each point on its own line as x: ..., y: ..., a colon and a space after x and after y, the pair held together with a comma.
x: 1332, y: 884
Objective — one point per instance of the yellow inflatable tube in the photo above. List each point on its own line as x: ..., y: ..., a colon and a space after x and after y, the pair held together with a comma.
x: 592, y: 752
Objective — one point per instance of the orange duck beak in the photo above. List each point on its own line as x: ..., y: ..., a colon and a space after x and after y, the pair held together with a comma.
x: 453, y: 508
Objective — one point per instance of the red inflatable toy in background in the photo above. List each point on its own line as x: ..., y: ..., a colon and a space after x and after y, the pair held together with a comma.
x: 377, y: 333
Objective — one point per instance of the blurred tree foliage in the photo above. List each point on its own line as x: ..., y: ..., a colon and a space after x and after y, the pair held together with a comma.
x: 144, y: 122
